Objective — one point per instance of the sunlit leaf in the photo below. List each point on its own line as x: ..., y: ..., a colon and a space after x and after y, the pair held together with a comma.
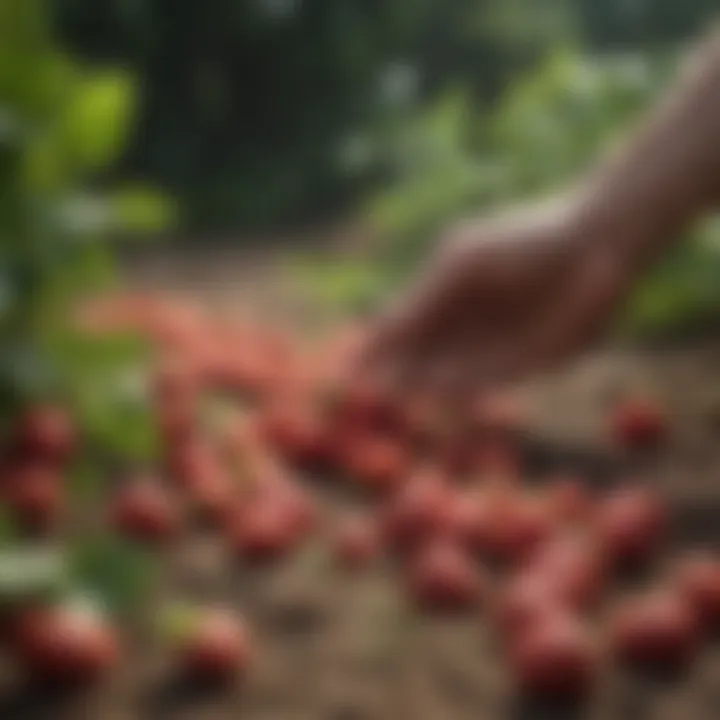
x: 142, y: 209
x: 97, y: 118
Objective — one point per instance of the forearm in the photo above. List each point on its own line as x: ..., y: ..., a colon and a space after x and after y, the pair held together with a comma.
x: 669, y: 173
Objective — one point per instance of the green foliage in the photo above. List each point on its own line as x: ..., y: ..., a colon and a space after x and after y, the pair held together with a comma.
x: 549, y: 127
x: 30, y: 570
x: 60, y: 125
x: 114, y: 571
x: 142, y: 209
x: 245, y: 103
x: 96, y: 119
x: 350, y: 286
x: 683, y: 293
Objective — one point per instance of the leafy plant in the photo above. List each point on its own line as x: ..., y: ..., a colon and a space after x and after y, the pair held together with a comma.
x: 61, y: 126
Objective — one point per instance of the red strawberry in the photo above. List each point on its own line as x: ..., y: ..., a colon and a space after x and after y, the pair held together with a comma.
x: 698, y: 579
x: 213, y: 646
x: 512, y: 526
x: 660, y: 629
x: 442, y: 576
x: 378, y: 463
x: 175, y: 380
x: 35, y: 494
x: 524, y: 600
x: 265, y: 530
x: 45, y: 432
x: 200, y: 470
x: 638, y: 423
x: 631, y: 524
x: 296, y: 432
x: 569, y: 501
x: 364, y: 405
x: 177, y: 420
x: 575, y: 569
x: 144, y: 510
x: 555, y: 658
x: 420, y: 509
x: 65, y: 644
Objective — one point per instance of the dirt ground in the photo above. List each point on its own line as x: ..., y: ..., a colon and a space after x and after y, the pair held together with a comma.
x: 333, y: 647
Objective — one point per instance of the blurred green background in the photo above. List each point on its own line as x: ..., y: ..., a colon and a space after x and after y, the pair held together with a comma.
x: 274, y: 114
x: 259, y: 116
x: 269, y: 112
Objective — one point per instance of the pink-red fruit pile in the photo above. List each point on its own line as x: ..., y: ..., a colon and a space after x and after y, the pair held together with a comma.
x: 445, y: 505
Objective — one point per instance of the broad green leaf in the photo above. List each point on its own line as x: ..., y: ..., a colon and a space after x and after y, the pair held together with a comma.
x: 97, y: 119
x: 118, y: 572
x: 46, y: 164
x: 142, y: 209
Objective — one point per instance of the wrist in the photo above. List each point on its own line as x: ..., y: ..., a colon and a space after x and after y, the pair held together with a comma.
x: 645, y: 197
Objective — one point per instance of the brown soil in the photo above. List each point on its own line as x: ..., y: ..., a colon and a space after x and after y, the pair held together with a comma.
x: 332, y: 647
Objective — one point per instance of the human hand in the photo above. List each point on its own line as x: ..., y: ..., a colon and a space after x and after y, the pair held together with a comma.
x: 502, y: 299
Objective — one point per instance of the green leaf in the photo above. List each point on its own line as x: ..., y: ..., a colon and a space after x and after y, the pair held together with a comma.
x: 97, y: 119
x: 119, y: 572
x: 8, y: 528
x: 31, y: 571
x: 86, y: 481
x: 46, y: 166
x: 142, y: 209
x: 116, y: 420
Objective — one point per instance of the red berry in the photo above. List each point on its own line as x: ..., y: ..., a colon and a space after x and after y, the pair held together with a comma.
x: 356, y: 543
x: 35, y: 494
x: 65, y: 644
x: 177, y: 420
x: 200, y: 470
x: 176, y: 380
x: 525, y: 600
x: 265, y: 530
x: 299, y: 505
x: 442, y: 576
x: 631, y: 523
x: 659, y: 629
x: 295, y: 432
x: 214, y: 647
x: 698, y: 579
x: 575, y: 570
x: 498, y: 463
x: 512, y: 526
x: 365, y: 406
x: 466, y: 520
x: 639, y: 424
x: 146, y: 511
x: 378, y: 463
x: 420, y: 509
x: 47, y: 433
x: 555, y: 658
x: 569, y: 501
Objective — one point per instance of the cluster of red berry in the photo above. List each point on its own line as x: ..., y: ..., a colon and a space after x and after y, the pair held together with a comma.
x: 441, y: 504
